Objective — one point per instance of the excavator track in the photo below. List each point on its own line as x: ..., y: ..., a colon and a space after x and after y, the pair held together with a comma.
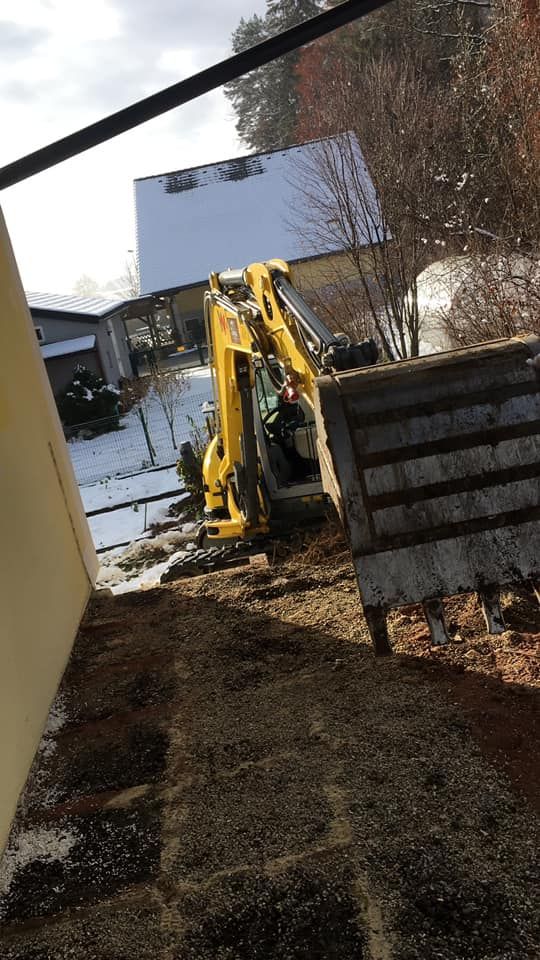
x: 198, y: 561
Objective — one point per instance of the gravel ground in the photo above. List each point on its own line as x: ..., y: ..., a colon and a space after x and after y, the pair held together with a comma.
x: 247, y: 781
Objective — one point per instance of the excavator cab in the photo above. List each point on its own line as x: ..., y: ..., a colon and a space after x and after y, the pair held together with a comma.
x: 287, y: 436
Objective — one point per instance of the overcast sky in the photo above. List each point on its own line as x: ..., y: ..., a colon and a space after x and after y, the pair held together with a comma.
x: 66, y: 63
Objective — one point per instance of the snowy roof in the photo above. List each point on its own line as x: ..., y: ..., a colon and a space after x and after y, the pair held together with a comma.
x: 230, y: 214
x: 90, y: 306
x: 64, y: 347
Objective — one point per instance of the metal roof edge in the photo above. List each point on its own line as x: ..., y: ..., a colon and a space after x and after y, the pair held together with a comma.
x: 121, y: 307
x: 244, y: 156
x: 170, y: 291
x: 50, y: 313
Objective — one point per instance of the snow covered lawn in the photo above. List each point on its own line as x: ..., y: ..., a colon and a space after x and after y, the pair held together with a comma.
x: 120, y: 467
x: 133, y: 522
x: 126, y: 450
x: 115, y: 490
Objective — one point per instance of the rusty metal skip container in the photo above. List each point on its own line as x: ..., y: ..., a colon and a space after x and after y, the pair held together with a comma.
x: 434, y: 467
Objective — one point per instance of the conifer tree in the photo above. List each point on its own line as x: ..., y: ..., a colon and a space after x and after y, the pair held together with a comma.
x: 266, y: 100
x: 88, y: 398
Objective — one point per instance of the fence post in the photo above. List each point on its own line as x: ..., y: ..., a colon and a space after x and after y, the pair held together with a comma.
x: 200, y: 351
x: 151, y: 450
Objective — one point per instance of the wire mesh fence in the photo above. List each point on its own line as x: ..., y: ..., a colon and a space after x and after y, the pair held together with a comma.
x: 140, y: 440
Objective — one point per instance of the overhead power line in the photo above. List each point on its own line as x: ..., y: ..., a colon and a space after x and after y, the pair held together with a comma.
x: 185, y: 90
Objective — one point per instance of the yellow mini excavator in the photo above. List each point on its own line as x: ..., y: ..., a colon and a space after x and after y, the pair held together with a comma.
x: 432, y: 463
x: 261, y: 470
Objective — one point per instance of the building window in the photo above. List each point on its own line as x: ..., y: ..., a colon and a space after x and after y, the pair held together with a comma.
x: 39, y: 334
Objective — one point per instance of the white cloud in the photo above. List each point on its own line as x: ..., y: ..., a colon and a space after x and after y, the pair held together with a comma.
x: 72, y: 62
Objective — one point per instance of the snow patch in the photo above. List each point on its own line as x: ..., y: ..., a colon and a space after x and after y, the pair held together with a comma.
x: 42, y: 844
x: 148, y: 579
x: 131, y: 523
x: 57, y: 717
x: 55, y: 721
x: 113, y: 490
x: 140, y: 565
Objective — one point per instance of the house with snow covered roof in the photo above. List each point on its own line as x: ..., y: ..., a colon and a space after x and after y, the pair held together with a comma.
x: 229, y: 214
x: 88, y: 330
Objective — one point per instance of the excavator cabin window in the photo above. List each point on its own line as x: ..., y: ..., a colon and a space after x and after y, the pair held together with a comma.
x: 289, y: 435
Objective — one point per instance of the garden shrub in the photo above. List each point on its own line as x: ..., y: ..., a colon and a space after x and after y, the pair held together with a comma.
x: 89, y: 398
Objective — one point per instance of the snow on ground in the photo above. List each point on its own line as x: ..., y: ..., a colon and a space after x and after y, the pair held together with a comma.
x: 141, y: 564
x: 55, y: 721
x: 123, y: 452
x: 126, y: 450
x: 40, y: 843
x: 112, y: 490
x: 131, y: 523
x: 145, y: 581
